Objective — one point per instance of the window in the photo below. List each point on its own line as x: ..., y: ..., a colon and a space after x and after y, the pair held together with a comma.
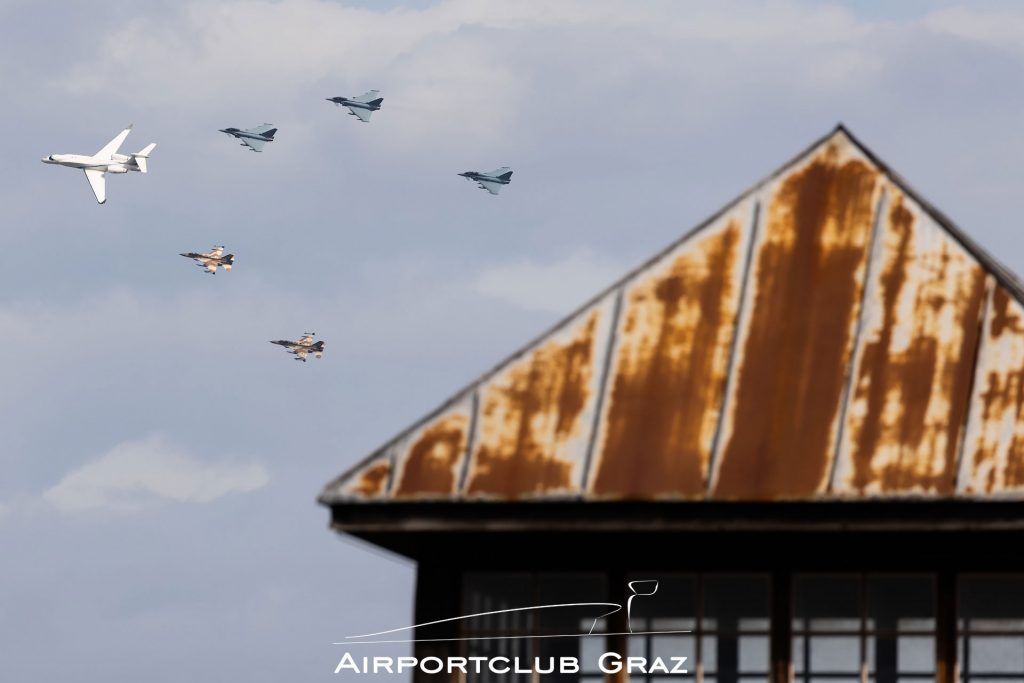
x: 883, y: 626
x: 727, y: 617
x: 526, y: 634
x: 991, y: 628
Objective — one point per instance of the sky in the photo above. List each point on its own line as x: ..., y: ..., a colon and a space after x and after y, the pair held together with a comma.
x: 160, y: 460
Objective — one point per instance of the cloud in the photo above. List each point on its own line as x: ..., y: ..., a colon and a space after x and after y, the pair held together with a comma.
x: 999, y: 28
x: 558, y: 287
x: 224, y: 57
x: 135, y: 474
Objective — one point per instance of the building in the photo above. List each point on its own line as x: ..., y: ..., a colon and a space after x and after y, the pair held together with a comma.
x: 805, y: 419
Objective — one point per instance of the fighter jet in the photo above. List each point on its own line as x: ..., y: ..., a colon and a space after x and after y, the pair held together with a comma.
x: 211, y: 259
x: 303, y: 346
x: 493, y: 181
x: 253, y: 138
x: 107, y: 160
x: 361, y: 107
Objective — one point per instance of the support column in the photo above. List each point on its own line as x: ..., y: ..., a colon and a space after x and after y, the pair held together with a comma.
x: 782, y: 628
x: 438, y: 596
x: 946, y: 669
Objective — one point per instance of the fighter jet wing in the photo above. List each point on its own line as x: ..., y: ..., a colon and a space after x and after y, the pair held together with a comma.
x: 300, y: 354
x: 98, y: 183
x: 254, y: 145
x: 362, y: 114
x: 368, y: 96
x: 114, y: 145
x: 490, y: 186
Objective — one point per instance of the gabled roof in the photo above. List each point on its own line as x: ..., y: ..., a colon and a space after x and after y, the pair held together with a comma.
x: 827, y: 335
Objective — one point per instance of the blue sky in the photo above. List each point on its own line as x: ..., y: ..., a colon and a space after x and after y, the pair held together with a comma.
x: 161, y: 460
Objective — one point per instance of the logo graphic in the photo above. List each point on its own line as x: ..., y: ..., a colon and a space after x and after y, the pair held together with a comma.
x: 609, y: 662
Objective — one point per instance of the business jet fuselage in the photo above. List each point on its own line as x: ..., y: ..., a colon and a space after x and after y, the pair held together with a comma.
x: 118, y: 163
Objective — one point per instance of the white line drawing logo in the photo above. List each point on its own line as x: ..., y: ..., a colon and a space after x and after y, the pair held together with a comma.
x: 639, y: 588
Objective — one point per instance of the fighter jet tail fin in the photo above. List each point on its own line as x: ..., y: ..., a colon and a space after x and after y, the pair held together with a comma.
x: 228, y: 261
x: 143, y: 154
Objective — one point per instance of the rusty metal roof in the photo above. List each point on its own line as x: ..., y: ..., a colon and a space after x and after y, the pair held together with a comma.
x: 828, y: 335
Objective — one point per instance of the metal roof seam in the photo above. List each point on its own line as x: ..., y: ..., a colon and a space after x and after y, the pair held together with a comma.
x: 460, y: 485
x: 748, y: 260
x: 851, y: 366
x: 979, y: 349
x: 602, y: 388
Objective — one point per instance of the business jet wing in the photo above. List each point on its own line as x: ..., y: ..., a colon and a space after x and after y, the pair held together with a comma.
x: 98, y: 183
x: 111, y: 147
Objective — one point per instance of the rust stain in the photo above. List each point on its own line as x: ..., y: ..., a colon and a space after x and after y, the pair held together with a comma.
x: 807, y: 285
x: 373, y: 480
x: 913, y: 380
x: 430, y: 465
x: 669, y: 373
x: 1003, y: 320
x: 529, y: 414
x: 995, y: 456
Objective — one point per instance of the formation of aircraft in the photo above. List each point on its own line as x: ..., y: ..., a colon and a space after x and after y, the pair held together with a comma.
x: 492, y: 181
x: 302, y: 346
x: 361, y: 107
x: 253, y: 138
x: 109, y: 160
x: 105, y: 161
x: 211, y: 259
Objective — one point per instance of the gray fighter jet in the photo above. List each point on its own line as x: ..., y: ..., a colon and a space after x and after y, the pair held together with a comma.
x: 253, y: 138
x: 493, y: 181
x: 213, y: 258
x: 303, y: 346
x: 361, y: 107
